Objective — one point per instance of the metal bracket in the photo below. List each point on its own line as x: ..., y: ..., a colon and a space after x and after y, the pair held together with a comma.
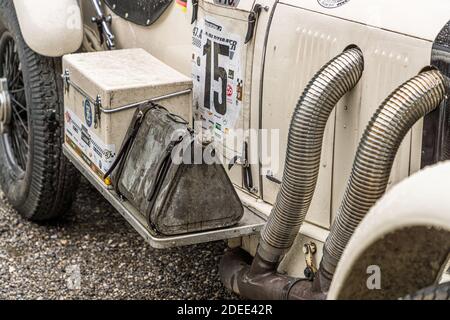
x: 104, y: 26
x: 246, y: 169
x: 310, y: 249
x: 252, y: 19
x: 97, y: 110
x: 66, y: 80
x: 194, y: 11
x: 270, y: 176
x: 155, y: 99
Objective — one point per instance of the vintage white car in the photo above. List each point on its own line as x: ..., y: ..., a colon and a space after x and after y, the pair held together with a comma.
x: 317, y: 107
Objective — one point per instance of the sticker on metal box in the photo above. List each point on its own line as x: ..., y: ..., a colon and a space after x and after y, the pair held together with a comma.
x: 89, y: 147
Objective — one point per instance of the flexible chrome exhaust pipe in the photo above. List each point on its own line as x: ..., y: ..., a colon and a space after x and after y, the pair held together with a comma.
x: 304, y: 147
x: 374, y: 158
x: 260, y: 280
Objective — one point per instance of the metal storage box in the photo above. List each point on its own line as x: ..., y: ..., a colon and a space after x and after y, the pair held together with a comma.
x: 102, y: 89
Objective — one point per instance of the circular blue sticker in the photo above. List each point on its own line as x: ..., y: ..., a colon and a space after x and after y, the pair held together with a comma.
x: 87, y: 112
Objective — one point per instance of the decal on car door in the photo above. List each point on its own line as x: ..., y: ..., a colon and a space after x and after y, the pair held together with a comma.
x: 228, y: 3
x: 218, y: 77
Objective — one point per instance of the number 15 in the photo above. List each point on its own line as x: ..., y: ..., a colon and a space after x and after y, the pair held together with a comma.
x: 220, y: 105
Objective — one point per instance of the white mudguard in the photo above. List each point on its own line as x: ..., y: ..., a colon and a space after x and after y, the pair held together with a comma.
x: 50, y: 28
x: 402, y: 244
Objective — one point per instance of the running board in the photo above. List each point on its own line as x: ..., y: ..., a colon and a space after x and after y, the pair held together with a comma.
x: 250, y: 223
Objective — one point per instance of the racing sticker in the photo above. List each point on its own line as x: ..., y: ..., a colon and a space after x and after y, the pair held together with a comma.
x: 96, y: 154
x: 218, y: 72
x: 332, y: 3
x: 228, y: 3
x: 87, y: 112
x: 182, y: 4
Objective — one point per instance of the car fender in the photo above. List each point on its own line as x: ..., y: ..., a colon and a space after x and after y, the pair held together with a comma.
x: 50, y: 28
x: 404, y: 240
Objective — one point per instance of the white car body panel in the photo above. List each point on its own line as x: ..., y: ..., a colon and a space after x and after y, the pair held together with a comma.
x: 50, y: 28
x: 415, y: 18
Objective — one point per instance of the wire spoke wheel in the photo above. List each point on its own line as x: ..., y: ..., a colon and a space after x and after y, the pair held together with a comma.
x: 37, y: 180
x: 15, y: 136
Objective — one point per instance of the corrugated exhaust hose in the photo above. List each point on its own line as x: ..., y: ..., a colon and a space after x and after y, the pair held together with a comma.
x: 260, y: 280
x: 304, y: 147
x: 374, y: 159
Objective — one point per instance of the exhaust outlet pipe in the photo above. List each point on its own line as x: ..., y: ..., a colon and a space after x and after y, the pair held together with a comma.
x: 260, y: 280
x: 304, y: 147
x: 374, y: 158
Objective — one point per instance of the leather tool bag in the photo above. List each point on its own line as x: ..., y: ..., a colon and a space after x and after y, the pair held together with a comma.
x: 174, y: 196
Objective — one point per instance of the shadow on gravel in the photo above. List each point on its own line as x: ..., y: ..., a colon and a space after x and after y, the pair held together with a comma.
x: 92, y: 253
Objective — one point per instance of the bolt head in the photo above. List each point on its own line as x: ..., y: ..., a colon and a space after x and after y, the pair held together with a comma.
x: 309, y: 274
x: 305, y: 249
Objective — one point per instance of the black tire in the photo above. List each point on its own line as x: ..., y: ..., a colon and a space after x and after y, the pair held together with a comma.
x: 439, y: 292
x: 37, y: 179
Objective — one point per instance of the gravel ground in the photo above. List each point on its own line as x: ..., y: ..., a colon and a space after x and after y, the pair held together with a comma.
x: 113, y: 261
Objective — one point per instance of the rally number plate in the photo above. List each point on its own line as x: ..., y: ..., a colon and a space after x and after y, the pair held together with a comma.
x: 218, y: 74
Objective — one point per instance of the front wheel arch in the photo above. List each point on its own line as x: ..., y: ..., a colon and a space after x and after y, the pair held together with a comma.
x: 50, y: 28
x: 406, y: 234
